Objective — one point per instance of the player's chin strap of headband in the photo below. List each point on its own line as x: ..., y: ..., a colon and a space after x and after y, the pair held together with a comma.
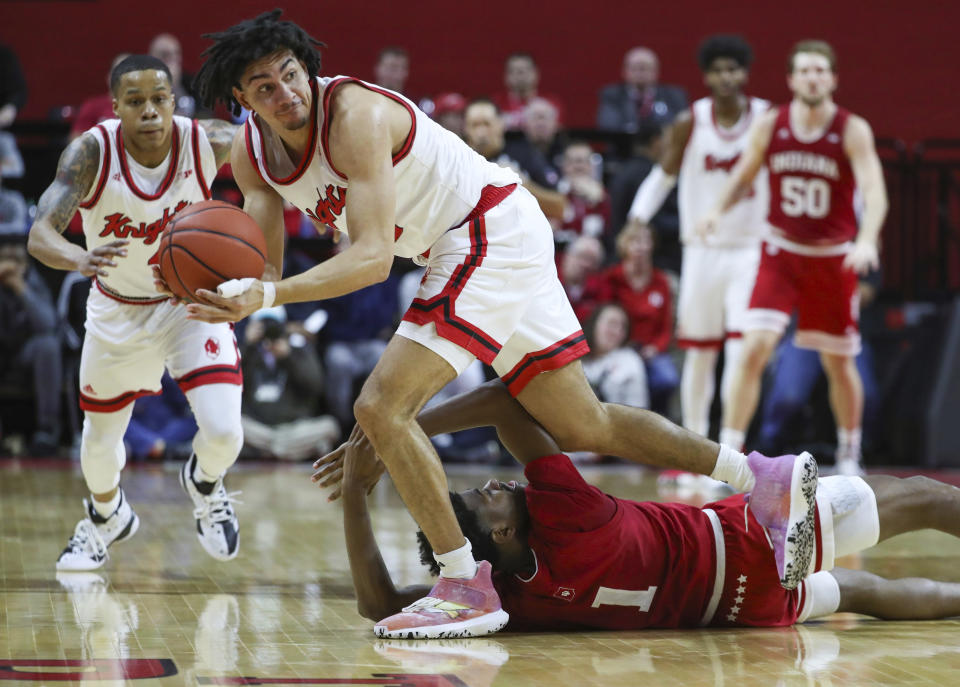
x: 235, y: 287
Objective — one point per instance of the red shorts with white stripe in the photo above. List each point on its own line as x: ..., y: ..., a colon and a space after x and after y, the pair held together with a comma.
x: 847, y: 521
x: 813, y: 281
x: 127, y: 347
x: 491, y: 292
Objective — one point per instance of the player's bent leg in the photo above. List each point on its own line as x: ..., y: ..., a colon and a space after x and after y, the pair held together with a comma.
x: 460, y: 604
x: 102, y: 458
x: 914, y: 503
x: 909, y: 598
x: 216, y: 446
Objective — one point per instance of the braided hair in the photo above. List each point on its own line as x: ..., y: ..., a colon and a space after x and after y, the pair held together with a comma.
x: 252, y: 39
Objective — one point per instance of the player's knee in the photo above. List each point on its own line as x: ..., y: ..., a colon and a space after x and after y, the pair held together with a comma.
x: 373, y: 412
x: 223, y: 438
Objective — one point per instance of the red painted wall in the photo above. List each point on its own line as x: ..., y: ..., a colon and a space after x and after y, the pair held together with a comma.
x: 899, y: 59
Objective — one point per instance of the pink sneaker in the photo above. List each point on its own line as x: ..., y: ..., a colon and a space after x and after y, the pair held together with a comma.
x: 784, y: 501
x: 454, y: 608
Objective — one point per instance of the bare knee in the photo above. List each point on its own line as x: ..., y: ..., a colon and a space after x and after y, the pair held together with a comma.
x: 756, y: 352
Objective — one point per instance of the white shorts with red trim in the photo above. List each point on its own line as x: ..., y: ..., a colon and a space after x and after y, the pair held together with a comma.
x: 491, y: 292
x: 127, y: 347
x: 715, y: 287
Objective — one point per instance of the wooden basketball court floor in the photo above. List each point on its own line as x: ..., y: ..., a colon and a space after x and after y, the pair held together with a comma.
x: 161, y: 612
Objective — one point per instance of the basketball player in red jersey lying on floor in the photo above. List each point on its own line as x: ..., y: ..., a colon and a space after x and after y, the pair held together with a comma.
x: 566, y: 556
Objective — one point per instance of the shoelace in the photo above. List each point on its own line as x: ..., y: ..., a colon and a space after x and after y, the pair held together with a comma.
x: 86, y: 533
x: 217, y: 506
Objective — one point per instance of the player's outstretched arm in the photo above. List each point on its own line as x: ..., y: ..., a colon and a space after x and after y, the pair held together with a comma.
x: 262, y: 202
x: 663, y: 177
x: 377, y: 595
x: 220, y: 134
x: 860, y: 148
x: 76, y: 173
x: 488, y: 405
x: 744, y: 172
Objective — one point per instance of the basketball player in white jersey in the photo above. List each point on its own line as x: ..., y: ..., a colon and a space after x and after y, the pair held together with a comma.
x: 366, y: 161
x: 718, y: 269
x: 128, y: 177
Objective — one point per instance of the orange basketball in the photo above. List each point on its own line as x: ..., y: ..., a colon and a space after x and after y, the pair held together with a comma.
x: 208, y: 243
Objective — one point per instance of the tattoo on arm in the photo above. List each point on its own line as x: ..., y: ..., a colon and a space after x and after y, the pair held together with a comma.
x: 220, y: 134
x: 76, y: 172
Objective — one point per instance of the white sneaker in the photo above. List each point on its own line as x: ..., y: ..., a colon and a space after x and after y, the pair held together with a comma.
x: 83, y: 550
x: 850, y: 467
x: 217, y: 526
x: 86, y: 549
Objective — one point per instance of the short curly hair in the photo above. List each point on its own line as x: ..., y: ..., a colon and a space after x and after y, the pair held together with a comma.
x: 480, y: 540
x: 235, y: 48
x: 725, y: 45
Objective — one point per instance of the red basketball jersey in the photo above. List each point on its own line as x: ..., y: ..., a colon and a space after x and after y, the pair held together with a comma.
x: 608, y: 563
x: 811, y: 184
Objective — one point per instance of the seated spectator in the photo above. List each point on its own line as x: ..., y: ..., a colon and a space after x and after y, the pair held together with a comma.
x: 13, y: 212
x: 483, y: 131
x: 11, y: 161
x: 613, y: 367
x: 541, y: 128
x: 166, y: 47
x: 356, y: 334
x: 161, y: 426
x: 647, y: 149
x: 392, y: 69
x: 579, y: 269
x: 97, y: 108
x: 521, y: 77
x: 29, y: 341
x: 13, y: 87
x: 588, y: 203
x: 639, y: 99
x: 645, y: 294
x: 282, y: 380
x: 448, y: 111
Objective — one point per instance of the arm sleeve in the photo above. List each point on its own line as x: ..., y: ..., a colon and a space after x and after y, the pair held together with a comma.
x: 651, y: 194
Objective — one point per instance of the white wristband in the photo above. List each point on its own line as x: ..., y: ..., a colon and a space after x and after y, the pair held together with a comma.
x: 269, y: 294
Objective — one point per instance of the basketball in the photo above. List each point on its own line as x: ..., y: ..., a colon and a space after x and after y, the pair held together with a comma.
x: 208, y: 243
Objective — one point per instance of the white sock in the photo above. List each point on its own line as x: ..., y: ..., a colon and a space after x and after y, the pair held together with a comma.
x: 732, y: 468
x: 106, y: 508
x: 200, y: 475
x: 848, y: 443
x: 457, y: 563
x: 733, y: 438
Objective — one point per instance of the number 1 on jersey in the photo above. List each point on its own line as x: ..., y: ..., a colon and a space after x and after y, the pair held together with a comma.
x: 641, y: 598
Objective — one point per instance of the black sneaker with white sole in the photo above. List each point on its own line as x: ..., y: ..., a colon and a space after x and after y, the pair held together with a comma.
x: 217, y: 526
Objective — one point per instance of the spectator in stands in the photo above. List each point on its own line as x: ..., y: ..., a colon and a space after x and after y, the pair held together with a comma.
x: 645, y: 293
x: 483, y: 131
x: 521, y: 77
x: 638, y: 99
x: 356, y: 334
x: 166, y: 47
x: 613, y: 367
x: 11, y: 161
x: 541, y: 128
x: 161, y: 426
x: 579, y: 269
x: 588, y: 203
x: 13, y: 87
x: 97, y: 108
x: 448, y: 111
x: 13, y: 207
x: 647, y: 149
x: 392, y: 69
x: 282, y: 380
x: 29, y: 341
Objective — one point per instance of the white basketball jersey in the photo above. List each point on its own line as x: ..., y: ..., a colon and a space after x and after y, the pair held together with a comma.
x: 710, y: 155
x: 133, y: 202
x: 439, y: 179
